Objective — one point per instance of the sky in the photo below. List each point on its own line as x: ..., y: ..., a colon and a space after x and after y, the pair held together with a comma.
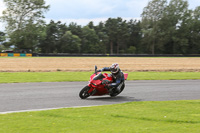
x: 84, y: 11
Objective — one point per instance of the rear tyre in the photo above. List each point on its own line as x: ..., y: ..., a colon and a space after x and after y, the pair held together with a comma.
x: 84, y: 92
x: 117, y: 93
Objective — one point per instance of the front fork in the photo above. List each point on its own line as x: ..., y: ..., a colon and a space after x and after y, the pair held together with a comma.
x: 92, y: 90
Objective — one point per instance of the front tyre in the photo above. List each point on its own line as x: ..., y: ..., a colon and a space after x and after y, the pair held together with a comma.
x: 84, y: 92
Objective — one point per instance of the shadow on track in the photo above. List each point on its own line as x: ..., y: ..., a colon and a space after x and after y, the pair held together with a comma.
x: 120, y: 99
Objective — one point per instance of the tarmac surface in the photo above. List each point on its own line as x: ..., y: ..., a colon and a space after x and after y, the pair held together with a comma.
x: 20, y: 97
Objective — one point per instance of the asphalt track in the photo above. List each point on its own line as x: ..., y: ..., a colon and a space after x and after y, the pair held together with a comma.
x: 19, y: 97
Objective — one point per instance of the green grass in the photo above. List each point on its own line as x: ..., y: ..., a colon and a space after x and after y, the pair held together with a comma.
x: 163, y: 75
x: 6, y: 77
x: 16, y: 77
x: 141, y: 117
x: 145, y: 117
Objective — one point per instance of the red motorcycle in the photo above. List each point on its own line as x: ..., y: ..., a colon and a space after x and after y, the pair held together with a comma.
x: 97, y: 85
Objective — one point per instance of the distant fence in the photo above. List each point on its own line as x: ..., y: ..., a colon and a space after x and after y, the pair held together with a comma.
x: 93, y: 55
x: 112, y: 55
x: 16, y: 54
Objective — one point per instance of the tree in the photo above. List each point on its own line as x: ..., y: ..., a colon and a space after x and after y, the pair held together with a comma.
x: 194, y: 33
x: 175, y: 24
x: 91, y: 25
x: 111, y: 30
x: 90, y: 41
x: 151, y: 16
x: 103, y: 37
x: 70, y: 43
x: 21, y: 16
x: 122, y: 35
x: 2, y: 37
x: 53, y: 33
x: 134, y: 40
x: 75, y: 29
x: 20, y: 12
x: 131, y: 50
x: 117, y: 31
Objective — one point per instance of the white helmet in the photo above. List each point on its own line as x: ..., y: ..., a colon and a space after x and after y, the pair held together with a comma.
x: 114, y: 68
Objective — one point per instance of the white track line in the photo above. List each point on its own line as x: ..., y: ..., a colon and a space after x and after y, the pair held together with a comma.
x: 19, y: 111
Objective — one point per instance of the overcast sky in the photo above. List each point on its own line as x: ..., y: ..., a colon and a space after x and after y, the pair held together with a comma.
x: 84, y: 11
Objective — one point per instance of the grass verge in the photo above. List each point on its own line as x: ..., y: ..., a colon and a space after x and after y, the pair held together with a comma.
x: 17, y: 77
x: 147, y: 117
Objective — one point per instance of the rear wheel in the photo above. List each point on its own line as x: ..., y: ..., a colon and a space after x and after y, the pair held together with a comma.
x: 115, y: 93
x: 84, y: 92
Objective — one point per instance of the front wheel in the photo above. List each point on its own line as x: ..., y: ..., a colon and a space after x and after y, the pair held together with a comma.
x: 84, y: 92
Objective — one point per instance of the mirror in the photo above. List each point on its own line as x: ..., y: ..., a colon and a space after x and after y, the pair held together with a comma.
x: 95, y: 68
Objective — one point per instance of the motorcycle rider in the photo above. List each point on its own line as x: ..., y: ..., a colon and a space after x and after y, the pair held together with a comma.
x: 118, y: 77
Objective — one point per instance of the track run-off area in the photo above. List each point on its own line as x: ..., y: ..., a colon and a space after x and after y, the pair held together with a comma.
x: 21, y: 97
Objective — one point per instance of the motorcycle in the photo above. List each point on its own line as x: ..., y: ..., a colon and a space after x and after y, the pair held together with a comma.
x: 97, y: 85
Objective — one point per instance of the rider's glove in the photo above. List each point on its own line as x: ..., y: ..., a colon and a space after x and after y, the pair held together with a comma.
x: 97, y: 71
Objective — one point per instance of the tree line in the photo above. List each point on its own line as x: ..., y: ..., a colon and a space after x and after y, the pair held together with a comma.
x: 164, y: 28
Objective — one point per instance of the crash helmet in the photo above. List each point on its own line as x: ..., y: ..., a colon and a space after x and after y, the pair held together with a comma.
x: 114, y: 68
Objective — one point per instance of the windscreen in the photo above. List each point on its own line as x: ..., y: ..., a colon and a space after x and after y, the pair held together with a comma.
x: 98, y: 77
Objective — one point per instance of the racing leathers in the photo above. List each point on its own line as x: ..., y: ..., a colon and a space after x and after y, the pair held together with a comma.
x: 118, y: 78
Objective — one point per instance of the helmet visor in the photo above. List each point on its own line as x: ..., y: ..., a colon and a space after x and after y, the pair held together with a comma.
x: 113, y: 70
